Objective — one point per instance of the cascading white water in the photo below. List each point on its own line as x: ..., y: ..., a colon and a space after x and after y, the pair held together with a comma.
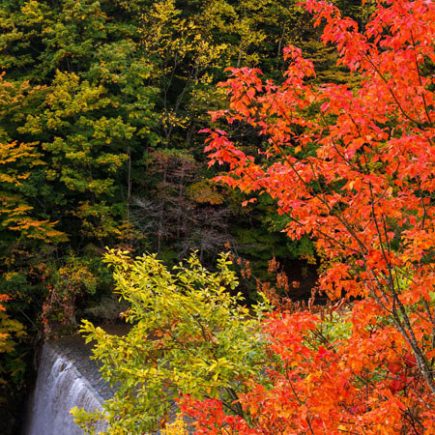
x: 59, y: 387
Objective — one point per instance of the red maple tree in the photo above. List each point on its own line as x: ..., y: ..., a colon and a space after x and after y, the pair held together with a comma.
x: 353, y: 169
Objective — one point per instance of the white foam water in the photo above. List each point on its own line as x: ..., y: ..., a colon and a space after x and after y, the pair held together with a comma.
x: 59, y: 387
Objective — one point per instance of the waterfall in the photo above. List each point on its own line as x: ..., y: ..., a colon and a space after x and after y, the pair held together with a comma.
x: 66, y: 378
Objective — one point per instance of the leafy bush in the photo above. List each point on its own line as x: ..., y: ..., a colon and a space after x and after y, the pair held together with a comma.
x: 189, y: 336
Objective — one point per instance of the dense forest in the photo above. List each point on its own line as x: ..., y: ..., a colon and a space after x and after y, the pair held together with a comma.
x: 248, y: 184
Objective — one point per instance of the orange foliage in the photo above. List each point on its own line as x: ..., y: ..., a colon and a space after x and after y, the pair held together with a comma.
x: 353, y: 169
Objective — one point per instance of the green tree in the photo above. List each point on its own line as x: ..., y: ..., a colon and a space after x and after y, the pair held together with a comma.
x: 92, y: 116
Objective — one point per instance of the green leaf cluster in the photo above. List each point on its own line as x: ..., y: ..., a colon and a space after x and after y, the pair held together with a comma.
x: 90, y: 111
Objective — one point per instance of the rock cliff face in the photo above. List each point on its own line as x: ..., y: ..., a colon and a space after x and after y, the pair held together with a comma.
x: 66, y: 378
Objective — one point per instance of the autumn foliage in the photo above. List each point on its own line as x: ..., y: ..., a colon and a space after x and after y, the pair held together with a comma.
x: 353, y: 169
